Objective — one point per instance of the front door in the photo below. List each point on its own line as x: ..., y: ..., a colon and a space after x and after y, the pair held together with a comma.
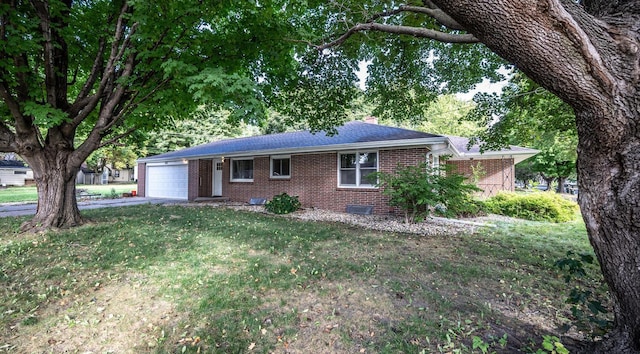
x: 217, y: 177
x: 204, y: 176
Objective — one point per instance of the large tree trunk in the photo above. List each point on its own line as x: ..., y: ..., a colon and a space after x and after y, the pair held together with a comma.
x: 590, y: 60
x: 609, y: 183
x: 549, y: 181
x: 561, y: 182
x: 56, y: 184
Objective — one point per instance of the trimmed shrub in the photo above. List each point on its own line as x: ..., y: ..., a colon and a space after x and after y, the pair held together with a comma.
x: 535, y: 206
x: 283, y: 204
x: 418, y: 190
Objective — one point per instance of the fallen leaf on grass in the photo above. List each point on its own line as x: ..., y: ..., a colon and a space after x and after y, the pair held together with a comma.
x: 330, y: 328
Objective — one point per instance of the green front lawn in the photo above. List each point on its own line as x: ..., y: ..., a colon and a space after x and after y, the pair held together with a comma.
x: 30, y: 194
x: 204, y: 279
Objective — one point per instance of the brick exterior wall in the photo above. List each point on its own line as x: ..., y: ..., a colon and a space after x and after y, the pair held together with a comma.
x: 142, y: 179
x: 194, y: 179
x: 495, y: 175
x: 314, y: 179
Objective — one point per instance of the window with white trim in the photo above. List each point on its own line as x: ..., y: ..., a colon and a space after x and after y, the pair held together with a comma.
x: 280, y: 167
x: 354, y: 167
x: 242, y: 170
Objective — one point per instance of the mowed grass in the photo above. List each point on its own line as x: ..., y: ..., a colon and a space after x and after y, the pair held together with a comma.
x: 30, y: 193
x: 204, y: 279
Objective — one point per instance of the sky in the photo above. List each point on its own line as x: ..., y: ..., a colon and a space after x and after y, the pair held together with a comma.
x: 485, y: 86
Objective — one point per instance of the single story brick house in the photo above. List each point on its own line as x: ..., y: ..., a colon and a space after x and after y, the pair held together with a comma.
x: 15, y: 173
x: 326, y: 172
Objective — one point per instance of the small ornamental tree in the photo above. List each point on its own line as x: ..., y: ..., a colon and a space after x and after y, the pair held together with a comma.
x: 418, y: 189
x: 411, y: 188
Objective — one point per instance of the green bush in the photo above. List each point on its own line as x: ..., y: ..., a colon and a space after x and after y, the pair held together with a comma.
x: 535, y: 206
x: 455, y: 193
x: 283, y: 204
x: 419, y: 189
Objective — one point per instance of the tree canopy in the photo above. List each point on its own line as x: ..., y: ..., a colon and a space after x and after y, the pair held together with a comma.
x: 527, y: 114
x: 76, y: 76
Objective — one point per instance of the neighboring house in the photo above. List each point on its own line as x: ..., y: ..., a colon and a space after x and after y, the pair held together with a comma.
x: 89, y: 176
x: 326, y: 172
x: 120, y: 176
x: 15, y: 173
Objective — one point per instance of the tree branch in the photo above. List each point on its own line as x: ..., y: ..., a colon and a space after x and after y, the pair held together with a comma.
x: 434, y: 13
x: 93, y: 75
x: 117, y: 51
x: 406, y: 30
x: 117, y: 137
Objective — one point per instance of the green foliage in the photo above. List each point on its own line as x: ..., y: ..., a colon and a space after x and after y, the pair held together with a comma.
x: 205, y: 125
x: 534, y: 206
x: 455, y: 193
x: 418, y: 189
x: 552, y: 345
x: 531, y: 116
x: 283, y: 204
x: 445, y: 116
x: 44, y: 115
x: 113, y: 194
x: 589, y: 314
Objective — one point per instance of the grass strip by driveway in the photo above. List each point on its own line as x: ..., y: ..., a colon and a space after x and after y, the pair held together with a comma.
x: 202, y: 279
x: 30, y: 193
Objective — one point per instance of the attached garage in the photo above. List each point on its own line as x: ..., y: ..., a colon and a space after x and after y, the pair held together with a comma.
x: 167, y: 181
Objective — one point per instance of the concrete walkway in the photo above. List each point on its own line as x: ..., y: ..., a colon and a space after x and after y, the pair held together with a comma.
x: 17, y: 209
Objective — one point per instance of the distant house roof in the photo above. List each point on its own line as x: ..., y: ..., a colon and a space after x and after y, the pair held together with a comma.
x: 12, y: 163
x: 352, y: 135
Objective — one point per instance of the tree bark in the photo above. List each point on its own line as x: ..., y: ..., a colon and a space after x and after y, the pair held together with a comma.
x: 56, y: 184
x: 609, y: 183
x: 592, y: 64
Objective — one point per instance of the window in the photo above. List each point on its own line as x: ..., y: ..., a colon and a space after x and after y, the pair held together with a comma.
x: 355, y: 167
x: 280, y: 166
x: 242, y: 170
x: 116, y: 173
x: 19, y: 172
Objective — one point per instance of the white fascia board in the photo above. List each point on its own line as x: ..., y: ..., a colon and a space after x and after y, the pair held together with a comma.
x: 518, y: 156
x: 168, y: 162
x: 379, y: 145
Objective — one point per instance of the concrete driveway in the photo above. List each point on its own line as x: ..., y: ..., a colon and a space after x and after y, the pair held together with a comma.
x: 30, y: 208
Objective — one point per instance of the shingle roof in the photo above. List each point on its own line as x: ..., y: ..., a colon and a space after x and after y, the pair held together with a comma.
x: 12, y: 163
x: 461, y: 144
x: 349, y: 136
x: 350, y: 133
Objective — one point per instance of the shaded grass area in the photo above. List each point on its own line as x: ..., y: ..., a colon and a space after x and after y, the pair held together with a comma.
x: 30, y: 194
x: 242, y: 281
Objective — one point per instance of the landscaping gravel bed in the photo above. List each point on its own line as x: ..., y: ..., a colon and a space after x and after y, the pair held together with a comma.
x: 430, y: 227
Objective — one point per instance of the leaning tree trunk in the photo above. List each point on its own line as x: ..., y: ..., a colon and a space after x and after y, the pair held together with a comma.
x: 609, y: 184
x: 56, y: 184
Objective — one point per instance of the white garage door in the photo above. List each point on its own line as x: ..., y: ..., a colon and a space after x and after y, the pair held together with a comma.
x: 168, y: 181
